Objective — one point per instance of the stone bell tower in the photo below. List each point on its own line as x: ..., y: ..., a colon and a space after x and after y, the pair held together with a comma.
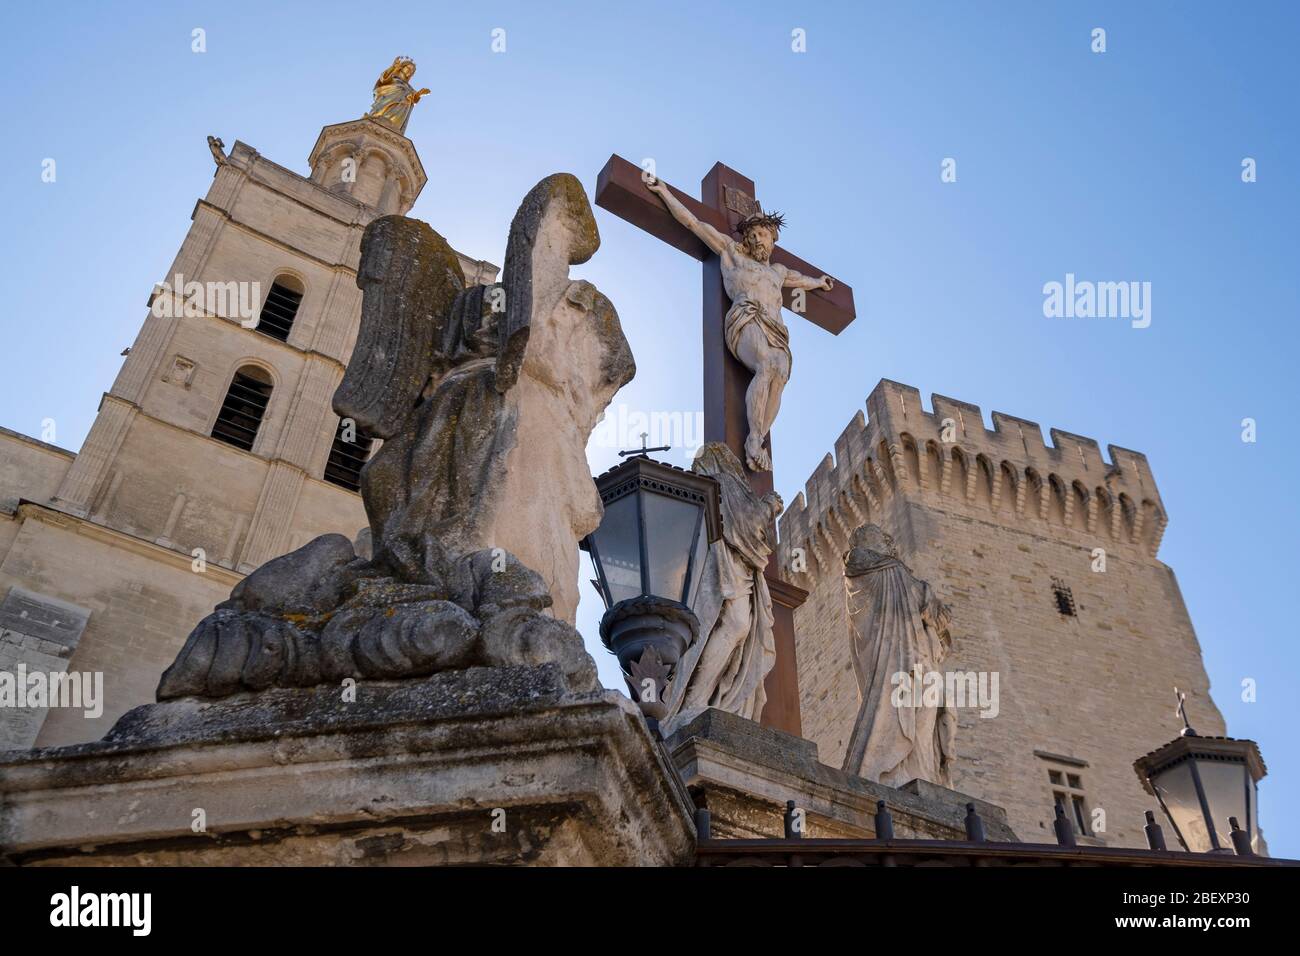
x: 216, y: 447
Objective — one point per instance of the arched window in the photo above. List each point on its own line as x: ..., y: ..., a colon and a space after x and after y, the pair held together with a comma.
x: 241, y: 413
x: 347, y: 456
x: 281, y: 307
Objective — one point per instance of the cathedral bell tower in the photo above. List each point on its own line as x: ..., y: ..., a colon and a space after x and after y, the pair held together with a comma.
x: 216, y: 448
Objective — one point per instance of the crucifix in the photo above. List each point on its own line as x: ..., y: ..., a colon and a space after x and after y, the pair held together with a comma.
x: 746, y: 352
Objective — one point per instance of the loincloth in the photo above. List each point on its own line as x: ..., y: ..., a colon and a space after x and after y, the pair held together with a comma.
x: 742, y: 313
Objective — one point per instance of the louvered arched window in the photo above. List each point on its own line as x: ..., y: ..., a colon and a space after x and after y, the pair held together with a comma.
x: 348, y: 453
x: 245, y: 404
x: 281, y: 307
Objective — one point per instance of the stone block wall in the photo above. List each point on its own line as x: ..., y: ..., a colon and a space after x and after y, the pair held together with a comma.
x: 1012, y: 533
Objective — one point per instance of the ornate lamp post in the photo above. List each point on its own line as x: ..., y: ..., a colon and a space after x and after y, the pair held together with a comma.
x: 1206, y: 787
x: 648, y: 554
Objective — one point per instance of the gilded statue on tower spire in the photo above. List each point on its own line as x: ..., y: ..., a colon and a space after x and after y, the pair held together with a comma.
x: 394, y: 96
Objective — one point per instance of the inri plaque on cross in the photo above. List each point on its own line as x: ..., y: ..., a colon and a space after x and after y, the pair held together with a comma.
x: 734, y: 413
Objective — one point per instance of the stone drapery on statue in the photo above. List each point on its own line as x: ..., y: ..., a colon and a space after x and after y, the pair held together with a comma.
x: 726, y: 665
x: 898, y: 627
x: 485, y: 398
x: 394, y: 95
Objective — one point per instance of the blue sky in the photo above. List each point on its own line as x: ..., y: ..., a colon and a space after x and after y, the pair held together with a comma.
x: 1119, y: 166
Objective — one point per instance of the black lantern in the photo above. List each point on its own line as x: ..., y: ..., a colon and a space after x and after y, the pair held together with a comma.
x: 648, y: 554
x: 1206, y: 787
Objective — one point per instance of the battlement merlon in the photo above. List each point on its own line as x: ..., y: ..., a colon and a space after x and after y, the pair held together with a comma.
x: 873, y: 453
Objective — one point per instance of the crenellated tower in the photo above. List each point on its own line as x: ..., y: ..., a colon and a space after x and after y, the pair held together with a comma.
x: 1047, y: 555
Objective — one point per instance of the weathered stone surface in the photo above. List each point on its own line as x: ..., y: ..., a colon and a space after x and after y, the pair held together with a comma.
x: 897, y: 626
x: 409, y: 277
x: 485, y: 398
x: 491, y: 613
x: 727, y: 663
x: 522, y: 636
x: 412, y: 772
x: 501, y: 582
x: 402, y: 641
x: 307, y: 581
x: 233, y: 650
x: 744, y: 773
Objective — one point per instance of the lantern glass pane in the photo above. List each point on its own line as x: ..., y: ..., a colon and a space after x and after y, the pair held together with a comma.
x: 1225, y: 790
x: 697, y: 565
x: 669, y: 529
x: 619, y: 547
x: 1178, y: 791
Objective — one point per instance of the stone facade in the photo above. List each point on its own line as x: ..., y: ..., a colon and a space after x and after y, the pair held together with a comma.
x: 114, y: 529
x: 1006, y: 529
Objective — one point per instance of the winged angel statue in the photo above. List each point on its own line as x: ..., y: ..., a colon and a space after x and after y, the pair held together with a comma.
x: 485, y: 398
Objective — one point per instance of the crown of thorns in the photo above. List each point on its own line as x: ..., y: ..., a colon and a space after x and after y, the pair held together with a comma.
x: 773, y: 220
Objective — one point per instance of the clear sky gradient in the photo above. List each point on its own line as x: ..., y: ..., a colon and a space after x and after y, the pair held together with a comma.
x: 1117, y: 166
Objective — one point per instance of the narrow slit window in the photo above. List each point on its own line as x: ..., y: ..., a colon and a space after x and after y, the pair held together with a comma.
x: 1064, y: 598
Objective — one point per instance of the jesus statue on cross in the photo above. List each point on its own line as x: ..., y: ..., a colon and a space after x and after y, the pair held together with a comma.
x: 754, y: 331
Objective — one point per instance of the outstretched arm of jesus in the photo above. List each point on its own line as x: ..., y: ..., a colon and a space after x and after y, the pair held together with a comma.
x: 715, y: 240
x: 797, y: 280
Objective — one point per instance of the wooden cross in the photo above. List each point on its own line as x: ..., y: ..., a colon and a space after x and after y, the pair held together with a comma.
x: 728, y: 197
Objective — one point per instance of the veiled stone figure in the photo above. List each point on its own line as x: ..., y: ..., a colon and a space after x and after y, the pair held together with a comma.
x: 898, y: 627
x: 727, y: 664
x: 485, y: 397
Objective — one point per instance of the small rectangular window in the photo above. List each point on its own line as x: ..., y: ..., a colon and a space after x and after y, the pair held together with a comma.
x: 1069, y: 798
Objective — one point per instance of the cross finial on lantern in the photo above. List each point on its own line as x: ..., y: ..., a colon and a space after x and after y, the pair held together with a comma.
x: 643, y: 451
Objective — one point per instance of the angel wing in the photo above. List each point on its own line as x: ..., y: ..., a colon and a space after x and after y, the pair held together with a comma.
x: 553, y: 229
x: 409, y: 279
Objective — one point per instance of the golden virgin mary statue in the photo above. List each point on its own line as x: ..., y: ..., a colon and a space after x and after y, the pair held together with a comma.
x: 394, y: 96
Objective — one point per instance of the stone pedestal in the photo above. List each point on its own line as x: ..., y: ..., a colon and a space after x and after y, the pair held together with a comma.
x: 488, y: 765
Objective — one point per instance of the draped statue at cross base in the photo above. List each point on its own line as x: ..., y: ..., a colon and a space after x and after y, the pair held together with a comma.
x: 730, y: 659
x: 898, y: 633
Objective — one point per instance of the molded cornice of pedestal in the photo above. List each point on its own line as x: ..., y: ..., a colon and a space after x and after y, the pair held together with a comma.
x: 745, y: 773
x: 486, y: 765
